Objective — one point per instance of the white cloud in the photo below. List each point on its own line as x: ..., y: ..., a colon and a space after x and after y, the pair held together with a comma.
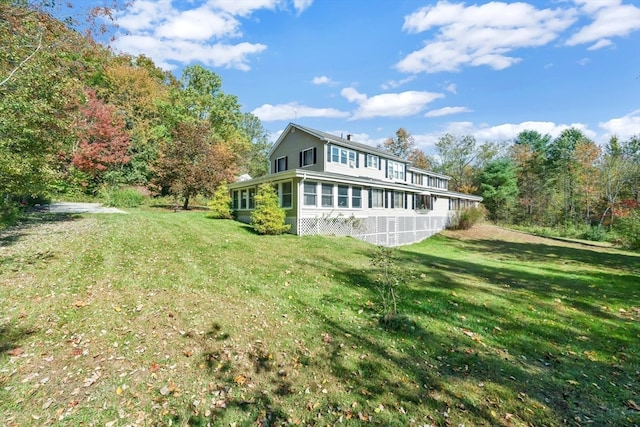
x: 392, y: 84
x: 451, y: 87
x: 243, y: 7
x: 623, y: 127
x: 166, y: 52
x: 611, y: 18
x: 600, y: 44
x: 294, y: 111
x: 322, y: 80
x: 389, y: 104
x: 479, y: 34
x: 446, y: 111
x: 201, y: 30
x: 301, y: 5
x: 584, y: 61
x: 198, y: 24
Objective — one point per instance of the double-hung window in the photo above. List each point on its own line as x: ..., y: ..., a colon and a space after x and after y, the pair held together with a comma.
x: 307, y: 157
x: 356, y: 197
x: 343, y: 196
x: 310, y: 193
x: 252, y: 200
x: 243, y: 199
x: 377, y: 198
x: 327, y: 195
x: 398, y: 199
x: 373, y: 161
x: 395, y: 170
x: 283, y: 189
x: 285, y: 194
x: 344, y: 156
x: 281, y: 164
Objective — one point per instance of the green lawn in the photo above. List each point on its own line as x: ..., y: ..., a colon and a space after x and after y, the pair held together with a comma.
x: 158, y: 318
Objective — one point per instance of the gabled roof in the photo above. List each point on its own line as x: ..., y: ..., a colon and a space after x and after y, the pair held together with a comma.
x: 327, y: 137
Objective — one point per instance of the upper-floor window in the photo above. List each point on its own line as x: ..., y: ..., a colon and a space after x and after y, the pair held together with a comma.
x: 395, y: 170
x: 344, y: 156
x: 308, y: 157
x: 281, y: 164
x: 373, y: 161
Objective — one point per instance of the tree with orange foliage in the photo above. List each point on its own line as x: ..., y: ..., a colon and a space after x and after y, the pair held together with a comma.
x: 193, y: 163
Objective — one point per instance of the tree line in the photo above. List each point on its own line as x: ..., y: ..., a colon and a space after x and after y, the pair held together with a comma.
x: 569, y: 183
x: 76, y: 117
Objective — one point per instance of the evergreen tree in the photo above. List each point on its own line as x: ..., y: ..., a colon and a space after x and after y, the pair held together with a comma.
x: 268, y: 217
x: 499, y: 188
x: 220, y: 205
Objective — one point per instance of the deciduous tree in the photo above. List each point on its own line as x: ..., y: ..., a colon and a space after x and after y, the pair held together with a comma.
x: 103, y: 142
x: 193, y: 162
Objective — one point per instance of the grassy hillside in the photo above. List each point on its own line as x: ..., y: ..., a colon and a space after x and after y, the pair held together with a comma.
x: 173, y: 318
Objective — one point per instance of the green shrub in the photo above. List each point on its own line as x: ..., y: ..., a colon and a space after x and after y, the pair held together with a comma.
x: 122, y: 197
x: 268, y: 217
x: 220, y: 205
x: 466, y: 218
x: 628, y: 229
x: 595, y: 234
x: 9, y: 211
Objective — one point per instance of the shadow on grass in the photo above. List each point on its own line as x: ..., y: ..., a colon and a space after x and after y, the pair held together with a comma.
x: 11, y: 337
x: 546, y: 343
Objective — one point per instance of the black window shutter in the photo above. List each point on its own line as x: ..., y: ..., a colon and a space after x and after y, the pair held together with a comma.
x: 366, y: 159
x: 315, y: 155
x: 328, y: 153
x: 406, y: 201
x: 286, y: 163
x: 357, y: 159
x: 275, y: 166
x: 370, y: 200
x: 386, y: 168
x: 379, y: 163
x: 393, y: 199
x: 300, y: 165
x: 386, y: 199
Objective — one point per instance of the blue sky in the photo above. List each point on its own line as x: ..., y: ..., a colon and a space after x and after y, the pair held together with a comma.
x: 369, y: 67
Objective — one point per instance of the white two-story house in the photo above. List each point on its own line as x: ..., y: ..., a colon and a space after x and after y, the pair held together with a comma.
x: 336, y: 186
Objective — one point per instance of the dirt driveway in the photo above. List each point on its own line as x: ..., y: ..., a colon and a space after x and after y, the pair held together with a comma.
x: 72, y: 207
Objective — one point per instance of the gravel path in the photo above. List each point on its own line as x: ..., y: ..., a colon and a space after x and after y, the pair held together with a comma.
x: 68, y: 207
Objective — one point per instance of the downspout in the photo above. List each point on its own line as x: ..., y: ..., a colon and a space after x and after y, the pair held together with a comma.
x: 299, y: 204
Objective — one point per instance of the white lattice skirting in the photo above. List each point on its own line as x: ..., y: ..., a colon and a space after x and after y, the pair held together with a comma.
x: 378, y: 230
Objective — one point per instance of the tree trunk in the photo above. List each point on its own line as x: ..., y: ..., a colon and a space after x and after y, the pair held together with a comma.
x: 185, y: 205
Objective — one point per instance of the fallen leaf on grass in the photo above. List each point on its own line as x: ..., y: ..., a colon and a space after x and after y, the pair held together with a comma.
x: 240, y: 379
x: 632, y: 405
x: 15, y: 351
x: 92, y: 379
x: 169, y: 388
